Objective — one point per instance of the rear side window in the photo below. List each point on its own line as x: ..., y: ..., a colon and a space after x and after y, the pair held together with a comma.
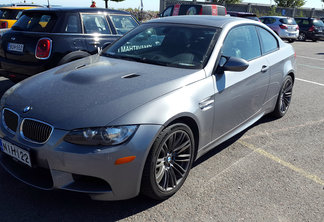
x: 268, y: 20
x: 167, y: 12
x: 242, y: 42
x: 72, y: 24
x: 268, y: 42
x: 189, y: 9
x: 288, y: 21
x: 95, y: 23
x: 10, y: 14
x: 35, y: 22
x: 221, y: 10
x: 123, y: 23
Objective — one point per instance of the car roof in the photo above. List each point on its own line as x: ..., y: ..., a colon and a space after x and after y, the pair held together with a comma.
x: 207, y: 20
x: 275, y: 17
x: 75, y: 9
x: 240, y: 13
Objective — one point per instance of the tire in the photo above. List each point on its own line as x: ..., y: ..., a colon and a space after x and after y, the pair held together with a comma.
x: 302, y: 36
x: 73, y: 56
x: 169, y: 162
x: 314, y: 40
x: 291, y: 40
x: 284, y: 98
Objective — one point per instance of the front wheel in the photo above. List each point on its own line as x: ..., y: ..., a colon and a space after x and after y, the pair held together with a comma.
x: 284, y: 98
x: 291, y: 40
x: 169, y: 162
x: 302, y: 36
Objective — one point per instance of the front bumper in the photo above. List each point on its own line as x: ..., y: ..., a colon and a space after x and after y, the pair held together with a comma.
x: 92, y: 170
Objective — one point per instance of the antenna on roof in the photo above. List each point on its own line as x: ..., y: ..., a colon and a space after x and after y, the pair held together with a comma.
x: 48, y: 4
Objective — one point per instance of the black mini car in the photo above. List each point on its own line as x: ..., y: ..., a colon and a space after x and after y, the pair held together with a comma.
x: 310, y: 28
x: 46, y: 37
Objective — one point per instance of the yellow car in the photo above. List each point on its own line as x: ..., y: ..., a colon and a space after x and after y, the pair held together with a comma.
x: 10, y: 14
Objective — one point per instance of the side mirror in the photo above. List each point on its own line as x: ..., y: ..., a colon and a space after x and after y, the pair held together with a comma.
x: 106, y: 44
x: 233, y: 64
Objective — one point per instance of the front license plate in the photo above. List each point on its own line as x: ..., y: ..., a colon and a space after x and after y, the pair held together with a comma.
x: 15, y: 47
x: 16, y: 152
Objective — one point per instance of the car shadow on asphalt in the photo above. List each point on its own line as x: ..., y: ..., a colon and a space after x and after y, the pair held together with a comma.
x: 229, y: 142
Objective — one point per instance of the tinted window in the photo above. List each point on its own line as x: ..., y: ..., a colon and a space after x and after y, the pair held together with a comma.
x: 221, y: 10
x: 166, y: 45
x: 189, y: 9
x: 288, y: 21
x: 123, y: 23
x: 268, y: 20
x: 168, y: 11
x: 35, y: 22
x: 9, y: 14
x: 268, y: 41
x: 72, y: 24
x: 95, y: 23
x: 242, y: 42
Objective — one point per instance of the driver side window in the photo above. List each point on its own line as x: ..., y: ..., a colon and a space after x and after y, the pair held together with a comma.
x: 242, y: 42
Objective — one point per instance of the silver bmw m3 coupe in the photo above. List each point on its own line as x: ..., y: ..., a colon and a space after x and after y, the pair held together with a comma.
x: 134, y: 118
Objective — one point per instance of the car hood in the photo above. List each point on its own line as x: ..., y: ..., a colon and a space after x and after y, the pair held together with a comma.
x: 94, y: 91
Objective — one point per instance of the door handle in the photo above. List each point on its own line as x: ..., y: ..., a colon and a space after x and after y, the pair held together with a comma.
x: 264, y: 68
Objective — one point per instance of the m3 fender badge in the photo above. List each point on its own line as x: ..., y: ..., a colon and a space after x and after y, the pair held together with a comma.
x: 27, y: 108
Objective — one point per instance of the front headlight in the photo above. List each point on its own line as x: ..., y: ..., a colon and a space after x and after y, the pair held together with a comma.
x: 106, y: 136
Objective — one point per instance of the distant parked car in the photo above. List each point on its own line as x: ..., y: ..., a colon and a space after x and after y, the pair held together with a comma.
x: 10, y: 14
x: 285, y: 27
x: 247, y: 15
x: 194, y: 9
x: 310, y: 28
x: 44, y: 38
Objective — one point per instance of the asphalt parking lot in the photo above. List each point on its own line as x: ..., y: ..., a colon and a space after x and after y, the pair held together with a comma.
x: 274, y: 171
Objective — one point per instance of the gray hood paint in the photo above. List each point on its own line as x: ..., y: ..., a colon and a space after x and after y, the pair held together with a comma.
x: 69, y: 94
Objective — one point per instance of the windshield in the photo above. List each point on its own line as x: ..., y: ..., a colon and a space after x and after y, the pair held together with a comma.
x: 35, y: 22
x: 167, y: 45
x: 318, y: 22
x: 288, y: 21
x: 9, y: 14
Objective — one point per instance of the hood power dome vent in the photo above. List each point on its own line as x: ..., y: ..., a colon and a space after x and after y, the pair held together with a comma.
x: 81, y: 66
x: 129, y: 76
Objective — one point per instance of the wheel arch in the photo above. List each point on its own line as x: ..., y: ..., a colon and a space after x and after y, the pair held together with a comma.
x: 192, y: 124
x: 72, y: 56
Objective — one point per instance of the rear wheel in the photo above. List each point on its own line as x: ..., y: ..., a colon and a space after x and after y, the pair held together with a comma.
x: 284, y: 98
x: 169, y: 162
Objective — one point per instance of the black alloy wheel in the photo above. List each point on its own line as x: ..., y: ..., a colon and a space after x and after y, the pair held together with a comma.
x: 169, y: 162
x: 284, y: 98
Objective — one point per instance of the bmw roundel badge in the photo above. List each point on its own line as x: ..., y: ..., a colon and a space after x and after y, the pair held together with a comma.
x: 26, y: 109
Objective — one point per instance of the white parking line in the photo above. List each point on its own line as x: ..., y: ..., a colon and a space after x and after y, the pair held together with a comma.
x: 306, y: 57
x: 304, y: 80
x: 309, y: 66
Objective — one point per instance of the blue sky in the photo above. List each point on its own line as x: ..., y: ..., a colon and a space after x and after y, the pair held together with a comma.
x: 148, y: 4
